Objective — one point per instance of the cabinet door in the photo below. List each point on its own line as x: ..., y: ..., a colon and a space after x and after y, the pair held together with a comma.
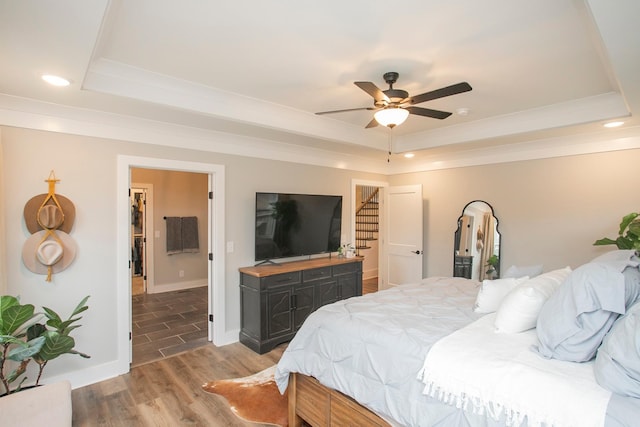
x: 304, y: 299
x: 348, y: 286
x: 326, y: 292
x: 278, y: 312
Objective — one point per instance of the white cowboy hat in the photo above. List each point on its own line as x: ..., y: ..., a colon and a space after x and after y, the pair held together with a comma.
x: 42, y: 251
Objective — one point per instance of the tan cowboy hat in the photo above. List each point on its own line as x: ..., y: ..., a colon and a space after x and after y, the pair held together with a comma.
x: 48, y: 249
x: 60, y: 218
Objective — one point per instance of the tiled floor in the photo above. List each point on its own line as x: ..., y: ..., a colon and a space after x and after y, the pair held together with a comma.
x: 168, y: 323
x: 172, y: 322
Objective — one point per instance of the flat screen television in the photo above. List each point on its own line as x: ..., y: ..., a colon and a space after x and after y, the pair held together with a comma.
x: 291, y: 225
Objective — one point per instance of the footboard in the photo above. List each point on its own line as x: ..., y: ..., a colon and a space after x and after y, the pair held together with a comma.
x: 312, y: 403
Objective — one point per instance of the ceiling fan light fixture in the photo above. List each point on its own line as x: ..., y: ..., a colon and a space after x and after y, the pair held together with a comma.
x: 391, y: 117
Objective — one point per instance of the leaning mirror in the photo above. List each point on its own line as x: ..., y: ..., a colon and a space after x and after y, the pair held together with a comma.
x: 477, y: 243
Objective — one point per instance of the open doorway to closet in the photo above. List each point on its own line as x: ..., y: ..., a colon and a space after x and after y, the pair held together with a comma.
x: 169, y: 262
x: 139, y: 239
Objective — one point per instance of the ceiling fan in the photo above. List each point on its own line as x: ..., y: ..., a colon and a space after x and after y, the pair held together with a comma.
x: 393, y: 106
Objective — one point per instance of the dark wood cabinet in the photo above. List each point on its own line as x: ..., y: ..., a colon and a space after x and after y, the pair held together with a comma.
x: 276, y: 299
x: 462, y: 266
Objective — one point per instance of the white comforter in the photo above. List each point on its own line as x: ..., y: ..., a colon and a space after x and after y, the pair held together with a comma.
x: 499, y: 374
x: 372, y: 347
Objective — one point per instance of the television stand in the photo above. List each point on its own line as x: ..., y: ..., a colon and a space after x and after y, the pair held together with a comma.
x: 275, y: 299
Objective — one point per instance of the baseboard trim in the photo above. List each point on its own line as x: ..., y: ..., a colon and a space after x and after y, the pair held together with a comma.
x: 178, y: 286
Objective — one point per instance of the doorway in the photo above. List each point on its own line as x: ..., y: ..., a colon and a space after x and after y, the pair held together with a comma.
x: 214, y: 245
x: 367, y: 223
x: 170, y: 314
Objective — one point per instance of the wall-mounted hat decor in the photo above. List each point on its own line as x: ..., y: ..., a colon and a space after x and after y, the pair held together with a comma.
x: 49, y: 217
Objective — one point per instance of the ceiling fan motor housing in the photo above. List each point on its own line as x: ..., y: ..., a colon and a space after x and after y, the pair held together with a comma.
x: 395, y: 95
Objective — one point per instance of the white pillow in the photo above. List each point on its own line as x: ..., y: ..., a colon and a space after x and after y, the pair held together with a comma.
x: 492, y: 292
x: 523, y: 270
x: 520, y: 308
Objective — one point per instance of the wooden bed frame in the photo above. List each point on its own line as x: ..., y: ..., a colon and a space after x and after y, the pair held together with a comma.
x: 311, y: 403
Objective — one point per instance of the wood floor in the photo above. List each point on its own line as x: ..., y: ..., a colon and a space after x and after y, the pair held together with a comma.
x: 169, y: 392
x: 369, y: 285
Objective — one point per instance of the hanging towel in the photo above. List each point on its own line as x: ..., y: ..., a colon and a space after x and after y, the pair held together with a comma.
x: 190, y: 234
x: 174, y: 235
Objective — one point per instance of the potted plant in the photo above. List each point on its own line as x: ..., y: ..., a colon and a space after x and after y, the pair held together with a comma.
x: 492, y: 264
x: 23, y: 339
x: 628, y: 234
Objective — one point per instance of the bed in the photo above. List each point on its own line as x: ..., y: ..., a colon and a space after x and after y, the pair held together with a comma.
x: 409, y: 356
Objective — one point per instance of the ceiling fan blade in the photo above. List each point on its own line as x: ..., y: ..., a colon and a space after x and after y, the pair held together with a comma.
x: 343, y: 111
x: 373, y: 123
x: 438, y: 93
x: 434, y: 114
x: 372, y: 90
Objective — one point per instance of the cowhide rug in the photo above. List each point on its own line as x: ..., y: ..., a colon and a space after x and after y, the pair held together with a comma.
x: 254, y: 398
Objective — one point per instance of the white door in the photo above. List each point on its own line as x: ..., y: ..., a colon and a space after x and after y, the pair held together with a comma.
x: 403, y: 254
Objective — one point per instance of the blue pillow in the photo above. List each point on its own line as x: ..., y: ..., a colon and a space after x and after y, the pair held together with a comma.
x: 574, y: 320
x: 617, y: 366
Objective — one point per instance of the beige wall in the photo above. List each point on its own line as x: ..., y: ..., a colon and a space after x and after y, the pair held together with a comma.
x: 3, y: 257
x: 87, y: 169
x: 550, y: 211
x: 178, y: 194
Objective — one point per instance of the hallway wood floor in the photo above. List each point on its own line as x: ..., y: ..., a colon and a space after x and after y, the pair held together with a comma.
x: 369, y: 285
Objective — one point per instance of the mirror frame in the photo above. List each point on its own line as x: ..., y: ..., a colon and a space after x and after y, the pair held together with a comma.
x: 458, y: 259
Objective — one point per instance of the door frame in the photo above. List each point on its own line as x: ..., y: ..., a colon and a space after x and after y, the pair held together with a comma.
x: 215, y: 244
x: 381, y: 221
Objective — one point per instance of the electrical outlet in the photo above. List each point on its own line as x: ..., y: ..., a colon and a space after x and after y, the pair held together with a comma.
x: 230, y: 247
x: 181, y: 273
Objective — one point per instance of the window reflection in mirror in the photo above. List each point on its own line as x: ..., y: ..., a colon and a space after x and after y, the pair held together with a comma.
x: 477, y: 243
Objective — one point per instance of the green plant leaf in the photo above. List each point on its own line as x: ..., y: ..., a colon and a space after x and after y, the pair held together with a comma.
x: 13, y: 317
x: 54, y: 318
x: 63, y: 326
x: 35, y: 330
x: 6, y: 301
x: 604, y: 241
x: 15, y: 374
x: 86, y: 356
x: 626, y: 220
x: 634, y: 228
x: 55, y: 345
x: 26, y: 350
x: 81, y: 306
x: 624, y: 243
x: 10, y: 339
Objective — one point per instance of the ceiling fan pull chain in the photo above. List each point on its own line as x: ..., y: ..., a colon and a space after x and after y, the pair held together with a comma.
x: 390, y: 145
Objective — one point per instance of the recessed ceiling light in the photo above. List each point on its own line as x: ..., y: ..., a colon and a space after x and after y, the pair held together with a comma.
x: 409, y: 155
x: 463, y: 111
x: 613, y: 124
x: 55, y: 80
